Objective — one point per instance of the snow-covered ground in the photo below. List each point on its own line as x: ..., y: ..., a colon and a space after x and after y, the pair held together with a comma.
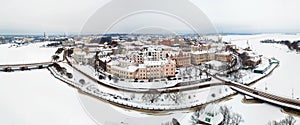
x: 25, y: 54
x: 36, y: 97
x: 280, y: 82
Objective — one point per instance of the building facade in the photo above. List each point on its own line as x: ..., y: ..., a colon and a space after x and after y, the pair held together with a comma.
x: 200, y: 57
x: 182, y: 59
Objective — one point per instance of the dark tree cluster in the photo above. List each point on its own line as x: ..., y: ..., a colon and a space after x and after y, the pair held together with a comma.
x: 55, y: 57
x: 54, y: 44
x: 59, y: 50
x: 62, y: 70
x: 101, y: 40
x: 69, y: 52
x: 291, y: 45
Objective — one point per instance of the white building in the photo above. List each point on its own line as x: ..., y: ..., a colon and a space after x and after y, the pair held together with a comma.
x: 211, y: 115
x: 81, y: 57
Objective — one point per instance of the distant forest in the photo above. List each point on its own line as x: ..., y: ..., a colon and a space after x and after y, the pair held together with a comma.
x: 295, y: 45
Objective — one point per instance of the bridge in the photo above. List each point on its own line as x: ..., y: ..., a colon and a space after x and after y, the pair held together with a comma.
x: 258, y: 94
x: 24, y: 67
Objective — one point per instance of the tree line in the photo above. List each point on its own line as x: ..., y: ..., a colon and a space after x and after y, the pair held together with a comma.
x: 291, y: 45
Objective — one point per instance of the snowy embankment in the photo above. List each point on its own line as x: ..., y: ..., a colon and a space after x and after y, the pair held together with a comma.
x: 283, y: 80
x: 248, y: 76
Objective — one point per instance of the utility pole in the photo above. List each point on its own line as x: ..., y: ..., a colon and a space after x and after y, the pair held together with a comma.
x: 266, y: 87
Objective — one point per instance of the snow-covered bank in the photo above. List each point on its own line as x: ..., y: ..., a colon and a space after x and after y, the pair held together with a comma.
x: 256, y: 113
x: 280, y: 82
x: 284, y: 79
x: 36, y: 97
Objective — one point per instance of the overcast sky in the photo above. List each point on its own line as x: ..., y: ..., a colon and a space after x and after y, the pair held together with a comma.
x: 69, y: 16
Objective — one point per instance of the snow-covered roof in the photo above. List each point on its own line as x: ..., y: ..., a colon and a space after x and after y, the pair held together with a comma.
x: 81, y: 53
x: 224, y: 53
x: 89, y: 55
x: 79, y: 42
x: 142, y: 66
x: 255, y: 58
x: 126, y: 69
x: 262, y: 66
x: 105, y: 59
x: 215, y: 63
x: 113, y: 63
x: 199, y: 52
x: 159, y: 62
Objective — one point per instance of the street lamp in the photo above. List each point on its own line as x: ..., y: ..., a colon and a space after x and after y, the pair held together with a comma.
x: 266, y: 87
x: 292, y: 93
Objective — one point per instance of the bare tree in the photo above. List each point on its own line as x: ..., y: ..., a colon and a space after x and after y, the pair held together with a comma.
x: 225, y: 111
x: 229, y: 117
x: 177, y: 97
x: 288, y: 120
x: 195, y: 117
x: 236, y: 119
x: 152, y: 97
